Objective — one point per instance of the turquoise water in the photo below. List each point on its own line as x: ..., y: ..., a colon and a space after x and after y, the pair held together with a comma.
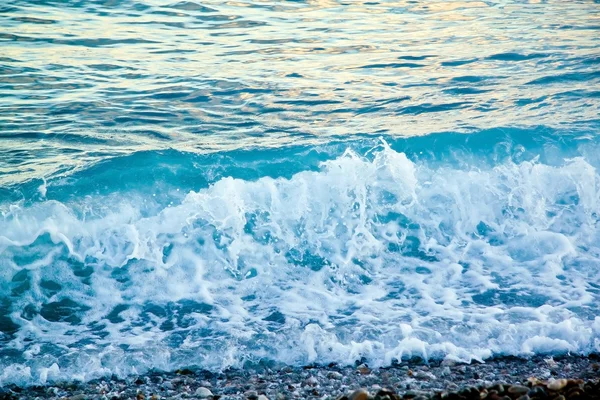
x: 219, y: 184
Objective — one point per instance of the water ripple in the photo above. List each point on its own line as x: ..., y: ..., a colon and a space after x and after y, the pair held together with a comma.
x: 190, y: 74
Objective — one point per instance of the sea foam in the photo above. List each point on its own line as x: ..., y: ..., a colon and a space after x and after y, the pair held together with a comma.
x: 373, y: 256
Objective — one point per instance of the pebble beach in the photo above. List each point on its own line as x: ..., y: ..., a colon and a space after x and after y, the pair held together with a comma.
x: 558, y: 378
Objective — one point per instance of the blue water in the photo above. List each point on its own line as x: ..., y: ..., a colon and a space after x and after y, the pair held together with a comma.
x: 221, y: 184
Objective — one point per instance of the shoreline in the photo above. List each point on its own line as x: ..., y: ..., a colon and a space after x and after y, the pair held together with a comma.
x: 571, y: 375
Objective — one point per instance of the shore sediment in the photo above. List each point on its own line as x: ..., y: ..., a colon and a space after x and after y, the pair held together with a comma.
x: 508, y: 378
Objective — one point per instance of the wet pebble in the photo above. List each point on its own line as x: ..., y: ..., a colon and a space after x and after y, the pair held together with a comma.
x: 334, y: 375
x: 203, y: 392
x: 518, y: 390
x: 557, y: 384
x: 359, y: 394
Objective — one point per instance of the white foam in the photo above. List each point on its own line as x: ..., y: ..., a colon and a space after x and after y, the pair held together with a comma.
x: 377, y: 257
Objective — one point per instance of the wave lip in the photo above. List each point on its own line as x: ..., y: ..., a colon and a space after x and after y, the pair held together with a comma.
x: 373, y: 255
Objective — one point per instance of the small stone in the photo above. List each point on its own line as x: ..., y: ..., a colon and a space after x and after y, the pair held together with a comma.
x: 334, y: 375
x: 77, y: 397
x: 360, y: 394
x: 557, y: 384
x: 498, y: 387
x: 385, y: 394
x: 524, y: 397
x: 251, y: 395
x: 550, y: 362
x: 424, y: 375
x: 280, y: 396
x: 537, y: 391
x: 451, y: 386
x: 184, y: 371
x: 533, y: 381
x: 518, y: 389
x: 545, y: 373
x: 312, y: 381
x: 168, y: 385
x: 445, y: 371
x: 363, y: 369
x: 140, y: 396
x: 262, y: 397
x: 203, y: 392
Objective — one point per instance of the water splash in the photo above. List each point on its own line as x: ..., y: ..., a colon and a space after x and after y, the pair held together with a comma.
x: 373, y: 255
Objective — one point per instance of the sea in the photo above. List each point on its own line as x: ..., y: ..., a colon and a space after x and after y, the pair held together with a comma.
x: 261, y: 183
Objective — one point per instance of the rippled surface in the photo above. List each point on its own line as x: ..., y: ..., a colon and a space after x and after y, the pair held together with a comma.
x: 228, y: 183
x: 97, y: 78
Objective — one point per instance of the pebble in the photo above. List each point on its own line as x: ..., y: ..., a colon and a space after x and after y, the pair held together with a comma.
x: 360, y: 394
x: 557, y: 384
x: 312, y: 381
x: 262, y: 397
x: 424, y: 375
x: 203, y: 392
x: 518, y: 389
x: 363, y: 369
x: 537, y: 391
x: 551, y: 363
x: 334, y: 375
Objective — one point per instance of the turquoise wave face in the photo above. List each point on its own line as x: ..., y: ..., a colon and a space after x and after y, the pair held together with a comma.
x: 308, y: 254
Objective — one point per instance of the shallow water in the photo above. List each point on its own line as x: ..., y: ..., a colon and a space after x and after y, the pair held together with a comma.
x: 225, y: 183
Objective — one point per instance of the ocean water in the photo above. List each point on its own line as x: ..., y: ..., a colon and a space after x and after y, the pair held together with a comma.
x: 238, y: 183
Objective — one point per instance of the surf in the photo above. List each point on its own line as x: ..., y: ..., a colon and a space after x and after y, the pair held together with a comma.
x: 379, y: 250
